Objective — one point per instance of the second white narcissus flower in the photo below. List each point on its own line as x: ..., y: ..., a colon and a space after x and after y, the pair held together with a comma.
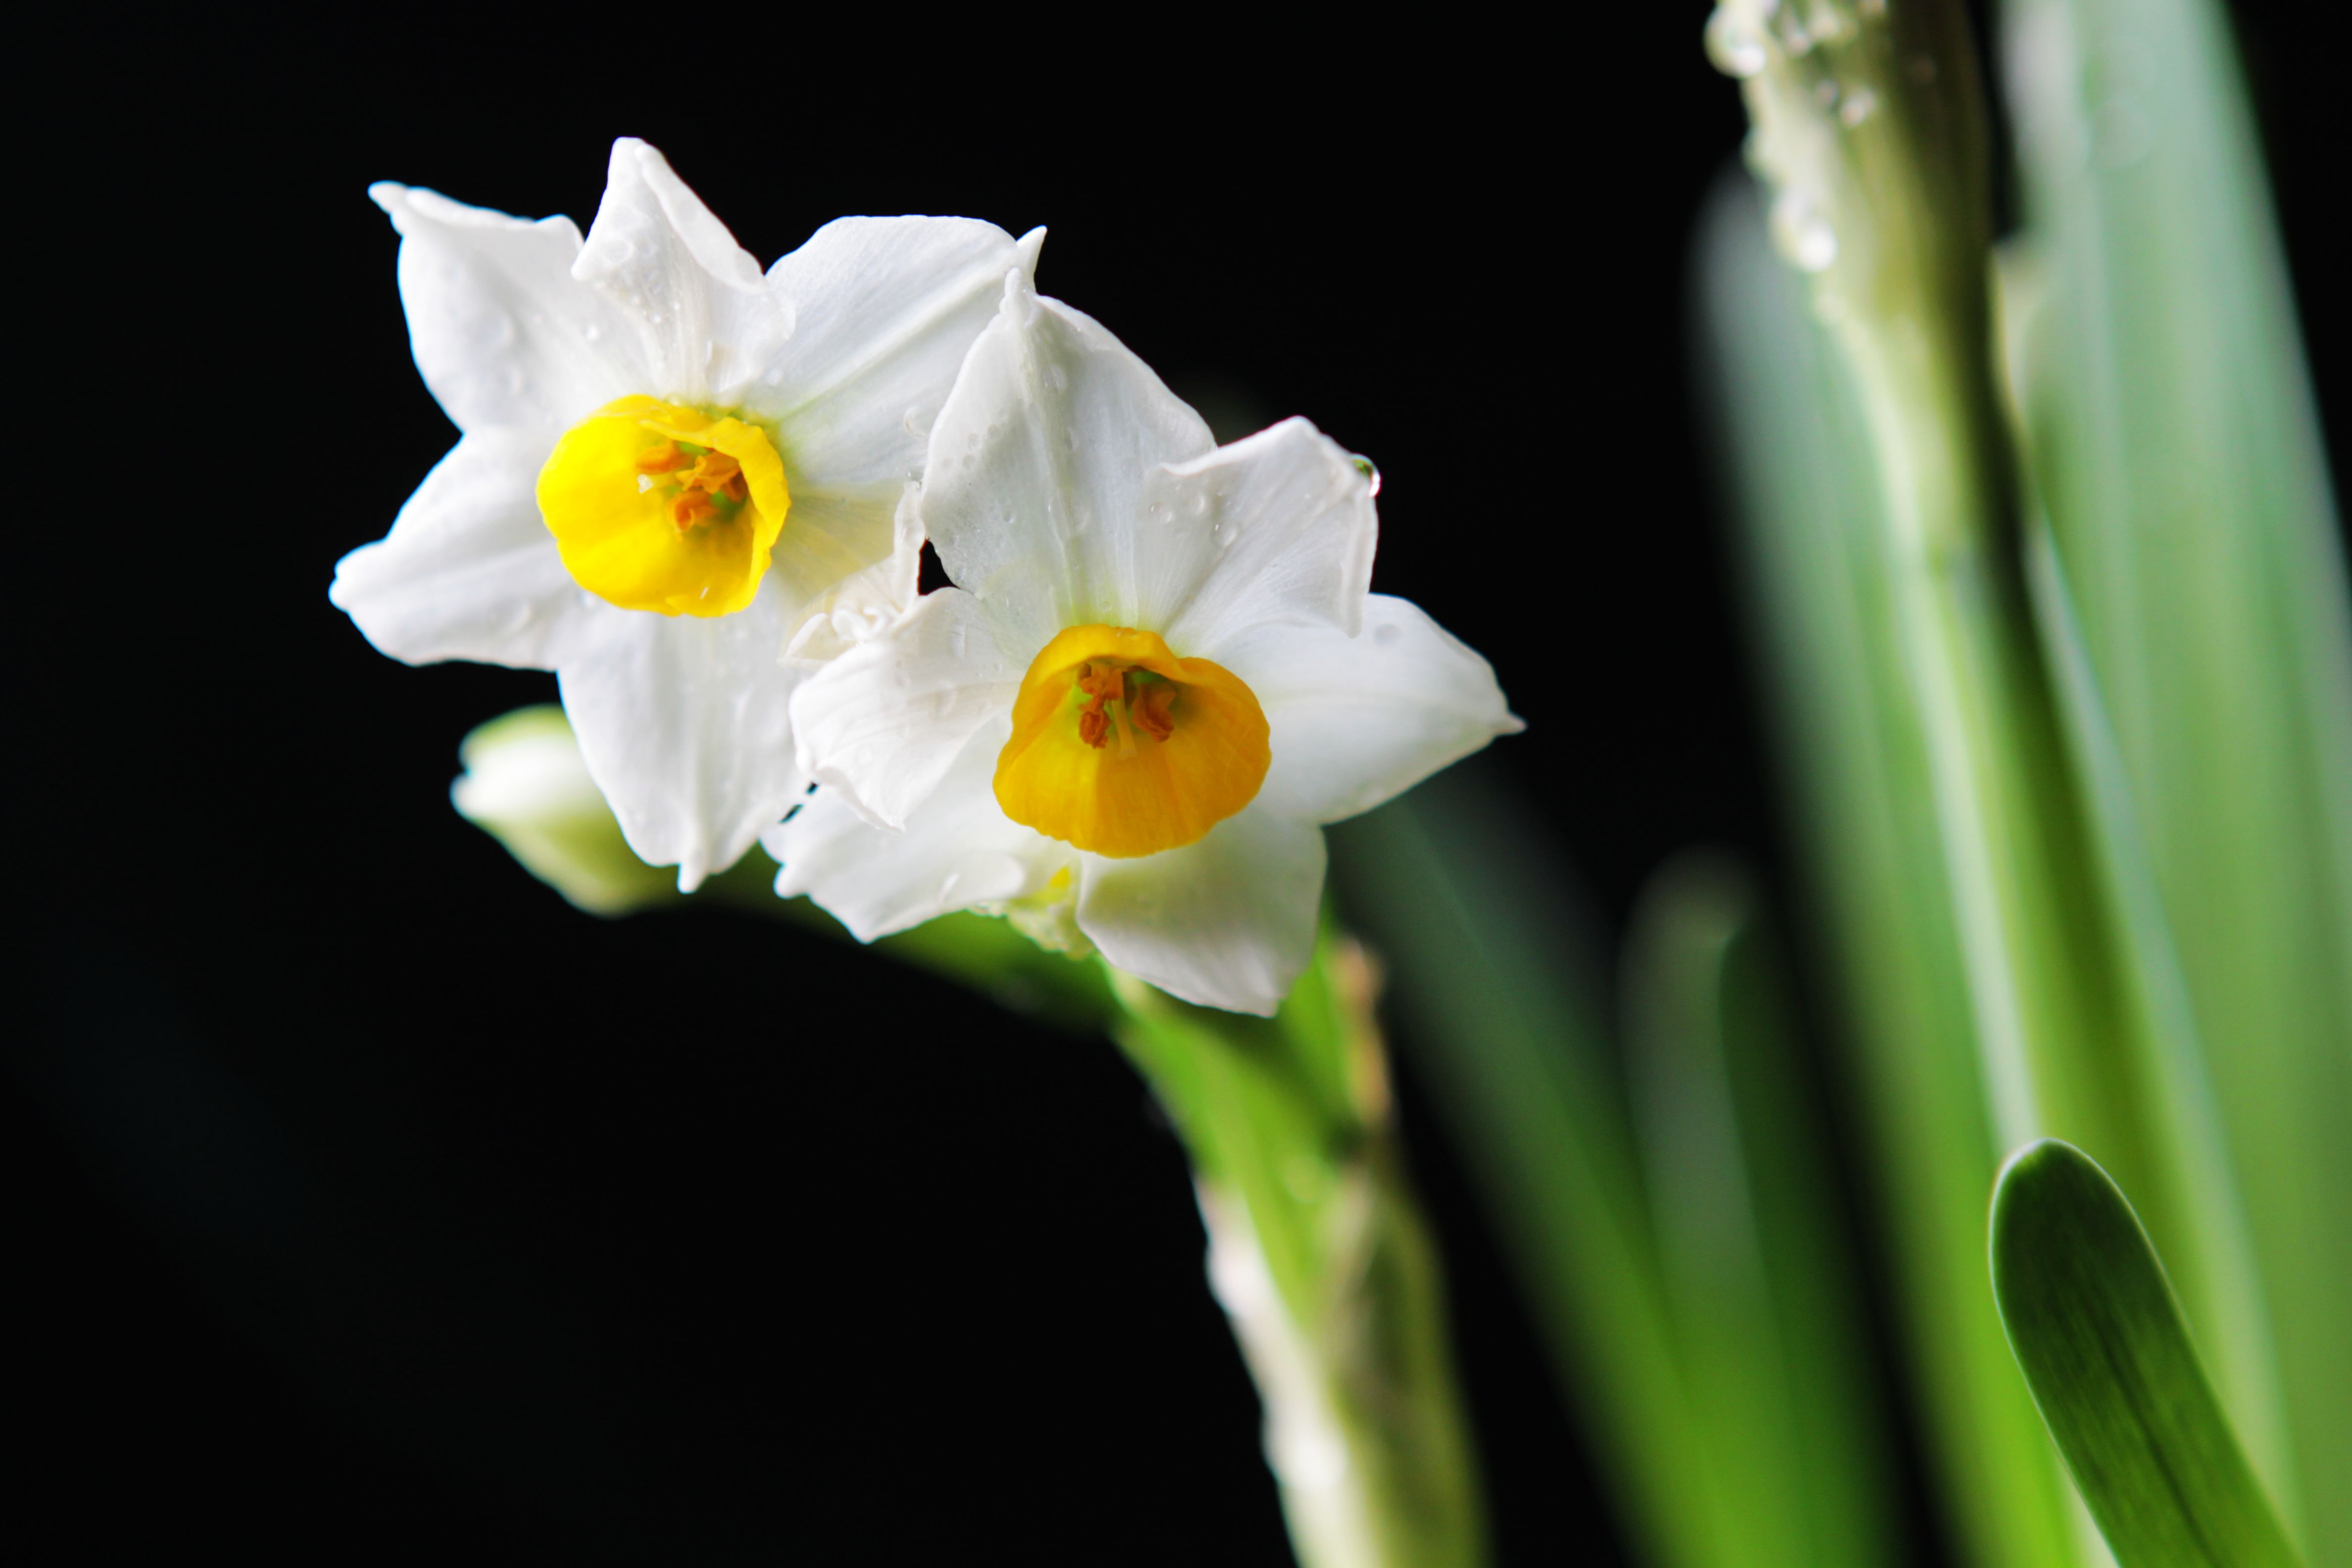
x: 1160, y: 674
x: 673, y: 469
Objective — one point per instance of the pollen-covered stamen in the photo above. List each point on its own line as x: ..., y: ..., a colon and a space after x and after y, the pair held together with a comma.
x: 1154, y: 708
x: 714, y: 478
x: 1102, y: 685
x: 716, y: 473
x: 1120, y: 702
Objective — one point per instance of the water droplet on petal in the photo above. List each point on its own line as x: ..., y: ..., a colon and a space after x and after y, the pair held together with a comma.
x: 1370, y: 471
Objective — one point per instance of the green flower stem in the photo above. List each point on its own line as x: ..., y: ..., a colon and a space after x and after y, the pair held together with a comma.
x: 2073, y: 1033
x: 1321, y: 1257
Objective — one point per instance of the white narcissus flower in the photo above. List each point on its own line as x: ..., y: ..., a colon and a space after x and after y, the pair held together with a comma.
x: 1160, y: 674
x: 673, y: 471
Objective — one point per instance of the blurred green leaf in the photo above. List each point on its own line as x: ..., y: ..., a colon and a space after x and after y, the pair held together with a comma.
x: 2107, y: 1354
x: 1762, y: 1279
x: 1488, y: 966
x: 2174, y: 446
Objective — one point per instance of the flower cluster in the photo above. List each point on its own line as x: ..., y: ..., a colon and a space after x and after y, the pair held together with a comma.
x: 700, y: 493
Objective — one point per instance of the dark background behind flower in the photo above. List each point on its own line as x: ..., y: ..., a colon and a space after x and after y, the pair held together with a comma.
x: 367, y: 1196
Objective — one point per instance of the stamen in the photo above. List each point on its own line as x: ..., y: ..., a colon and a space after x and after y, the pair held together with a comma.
x: 691, y: 507
x: 718, y: 474
x: 1153, y: 710
x: 1113, y: 701
x: 1103, y: 684
x: 660, y: 459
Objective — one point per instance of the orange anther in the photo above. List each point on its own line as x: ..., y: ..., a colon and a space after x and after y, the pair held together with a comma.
x: 660, y: 459
x: 715, y: 472
x: 1093, y: 728
x: 1152, y: 711
x: 690, y: 508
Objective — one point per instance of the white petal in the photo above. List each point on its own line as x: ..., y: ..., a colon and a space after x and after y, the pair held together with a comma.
x: 1227, y: 922
x: 468, y: 570
x: 1033, y: 490
x: 707, y: 327
x: 830, y: 534
x: 867, y: 602
x: 883, y: 723
x: 1358, y: 721
x: 882, y: 312
x: 1283, y: 529
x: 958, y: 850
x: 687, y: 727
x: 501, y: 332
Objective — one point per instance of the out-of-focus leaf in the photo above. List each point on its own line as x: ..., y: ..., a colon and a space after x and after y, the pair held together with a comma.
x: 1865, y: 782
x: 2095, y: 1327
x: 1762, y: 1279
x: 2176, y: 1102
x: 2174, y: 446
x: 1490, y: 976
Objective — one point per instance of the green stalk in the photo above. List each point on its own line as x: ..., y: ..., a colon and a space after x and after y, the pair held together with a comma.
x: 1320, y: 1253
x: 1860, y: 775
x: 1941, y: 803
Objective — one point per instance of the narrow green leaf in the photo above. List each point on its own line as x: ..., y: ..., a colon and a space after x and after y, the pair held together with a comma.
x: 2093, y: 1323
x: 2175, y: 445
x: 1483, y: 950
x: 1762, y: 1280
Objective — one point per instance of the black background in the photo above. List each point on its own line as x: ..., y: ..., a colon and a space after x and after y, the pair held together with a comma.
x: 365, y: 1199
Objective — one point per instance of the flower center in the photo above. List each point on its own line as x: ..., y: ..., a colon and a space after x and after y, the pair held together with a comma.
x: 1122, y: 749
x: 659, y: 506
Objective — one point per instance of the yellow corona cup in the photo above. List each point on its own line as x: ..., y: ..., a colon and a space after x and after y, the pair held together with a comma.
x: 657, y: 506
x: 1122, y: 749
